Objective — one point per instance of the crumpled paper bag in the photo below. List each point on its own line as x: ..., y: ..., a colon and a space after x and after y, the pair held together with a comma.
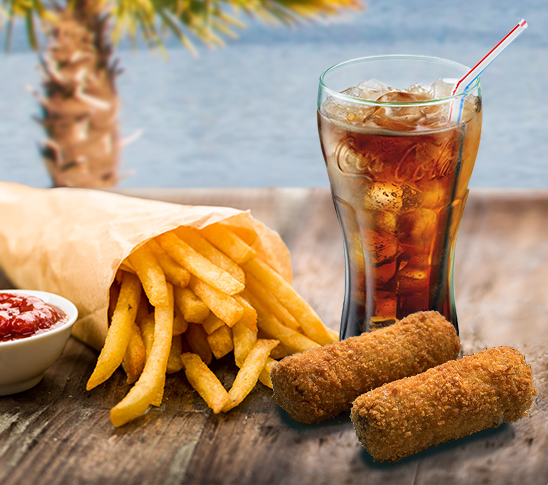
x: 72, y: 242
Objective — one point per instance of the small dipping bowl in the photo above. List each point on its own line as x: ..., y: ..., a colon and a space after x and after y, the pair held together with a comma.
x: 23, y: 361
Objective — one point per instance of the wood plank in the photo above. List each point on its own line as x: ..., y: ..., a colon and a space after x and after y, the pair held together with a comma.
x: 58, y: 433
x: 502, y: 266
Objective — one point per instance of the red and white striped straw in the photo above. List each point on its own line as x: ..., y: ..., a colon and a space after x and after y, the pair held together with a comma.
x: 464, y: 83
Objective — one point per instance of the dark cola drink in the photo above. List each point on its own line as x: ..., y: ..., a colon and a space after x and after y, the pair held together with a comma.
x: 399, y: 178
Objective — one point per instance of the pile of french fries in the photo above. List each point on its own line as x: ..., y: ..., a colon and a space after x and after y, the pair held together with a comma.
x: 188, y: 296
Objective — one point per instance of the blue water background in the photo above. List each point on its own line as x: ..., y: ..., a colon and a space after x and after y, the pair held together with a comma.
x: 244, y: 115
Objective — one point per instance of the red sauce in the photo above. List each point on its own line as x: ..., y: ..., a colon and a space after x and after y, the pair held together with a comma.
x: 24, y: 315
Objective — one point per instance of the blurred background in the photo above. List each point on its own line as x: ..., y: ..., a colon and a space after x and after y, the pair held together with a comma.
x: 244, y: 115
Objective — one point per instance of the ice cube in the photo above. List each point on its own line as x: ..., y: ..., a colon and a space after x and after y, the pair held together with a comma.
x: 334, y: 110
x: 378, y: 321
x: 441, y: 88
x: 385, y: 253
x: 383, y: 197
x: 417, y: 228
x: 421, y: 261
x: 411, y: 195
x: 386, y: 304
x: 399, y: 118
x: 386, y: 222
x: 346, y: 112
x: 381, y: 248
x: 371, y: 89
x: 470, y: 107
x: 418, y: 89
x: 435, y: 115
x: 385, y: 272
x: 403, y: 97
x: 358, y: 116
x: 412, y: 280
x: 436, y: 196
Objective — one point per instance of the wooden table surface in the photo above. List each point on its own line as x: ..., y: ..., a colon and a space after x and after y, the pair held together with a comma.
x: 59, y: 433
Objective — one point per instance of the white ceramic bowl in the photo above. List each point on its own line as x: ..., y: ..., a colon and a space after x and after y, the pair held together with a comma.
x: 24, y: 361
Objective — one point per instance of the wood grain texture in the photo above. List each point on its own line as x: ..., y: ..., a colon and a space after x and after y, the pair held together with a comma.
x: 58, y: 433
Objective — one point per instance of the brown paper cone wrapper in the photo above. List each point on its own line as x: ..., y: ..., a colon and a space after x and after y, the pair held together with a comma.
x: 72, y: 241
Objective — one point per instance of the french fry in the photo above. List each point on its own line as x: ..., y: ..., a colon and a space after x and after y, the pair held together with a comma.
x: 248, y: 375
x: 280, y: 351
x: 193, y: 309
x: 228, y: 242
x: 146, y: 326
x: 196, y: 337
x: 198, y: 265
x: 248, y: 236
x: 175, y: 273
x: 159, y: 396
x: 310, y: 322
x: 145, y: 321
x: 180, y: 325
x: 174, y: 363
x: 204, y: 247
x: 152, y: 379
x: 212, y: 323
x: 205, y: 382
x: 249, y: 318
x: 292, y: 340
x: 151, y: 275
x: 119, y: 332
x: 147, y: 333
x: 135, y: 356
x: 334, y: 334
x: 264, y: 376
x: 223, y: 306
x: 244, y: 340
x: 271, y: 302
x: 220, y: 342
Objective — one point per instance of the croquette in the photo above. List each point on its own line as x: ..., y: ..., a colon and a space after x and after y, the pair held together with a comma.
x: 320, y: 383
x: 446, y: 402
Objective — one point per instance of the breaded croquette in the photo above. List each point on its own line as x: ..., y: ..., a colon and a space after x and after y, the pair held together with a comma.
x: 446, y: 402
x: 320, y: 383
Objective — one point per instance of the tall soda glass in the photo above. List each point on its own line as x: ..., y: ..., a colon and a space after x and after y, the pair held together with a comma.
x: 399, y: 151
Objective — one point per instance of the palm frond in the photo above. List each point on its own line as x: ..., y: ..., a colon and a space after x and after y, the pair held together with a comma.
x: 170, y: 24
x: 29, y: 11
x: 31, y: 30
x: 208, y: 21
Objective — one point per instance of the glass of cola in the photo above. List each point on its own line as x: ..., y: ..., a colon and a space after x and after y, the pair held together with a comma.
x: 399, y: 150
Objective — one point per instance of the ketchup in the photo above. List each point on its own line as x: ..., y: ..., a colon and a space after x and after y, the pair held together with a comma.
x: 24, y: 315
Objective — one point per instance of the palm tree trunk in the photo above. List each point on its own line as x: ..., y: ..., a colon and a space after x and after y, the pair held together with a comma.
x: 79, y: 101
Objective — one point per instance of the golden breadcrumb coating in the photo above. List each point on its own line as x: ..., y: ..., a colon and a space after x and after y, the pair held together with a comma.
x: 446, y: 402
x: 320, y: 383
